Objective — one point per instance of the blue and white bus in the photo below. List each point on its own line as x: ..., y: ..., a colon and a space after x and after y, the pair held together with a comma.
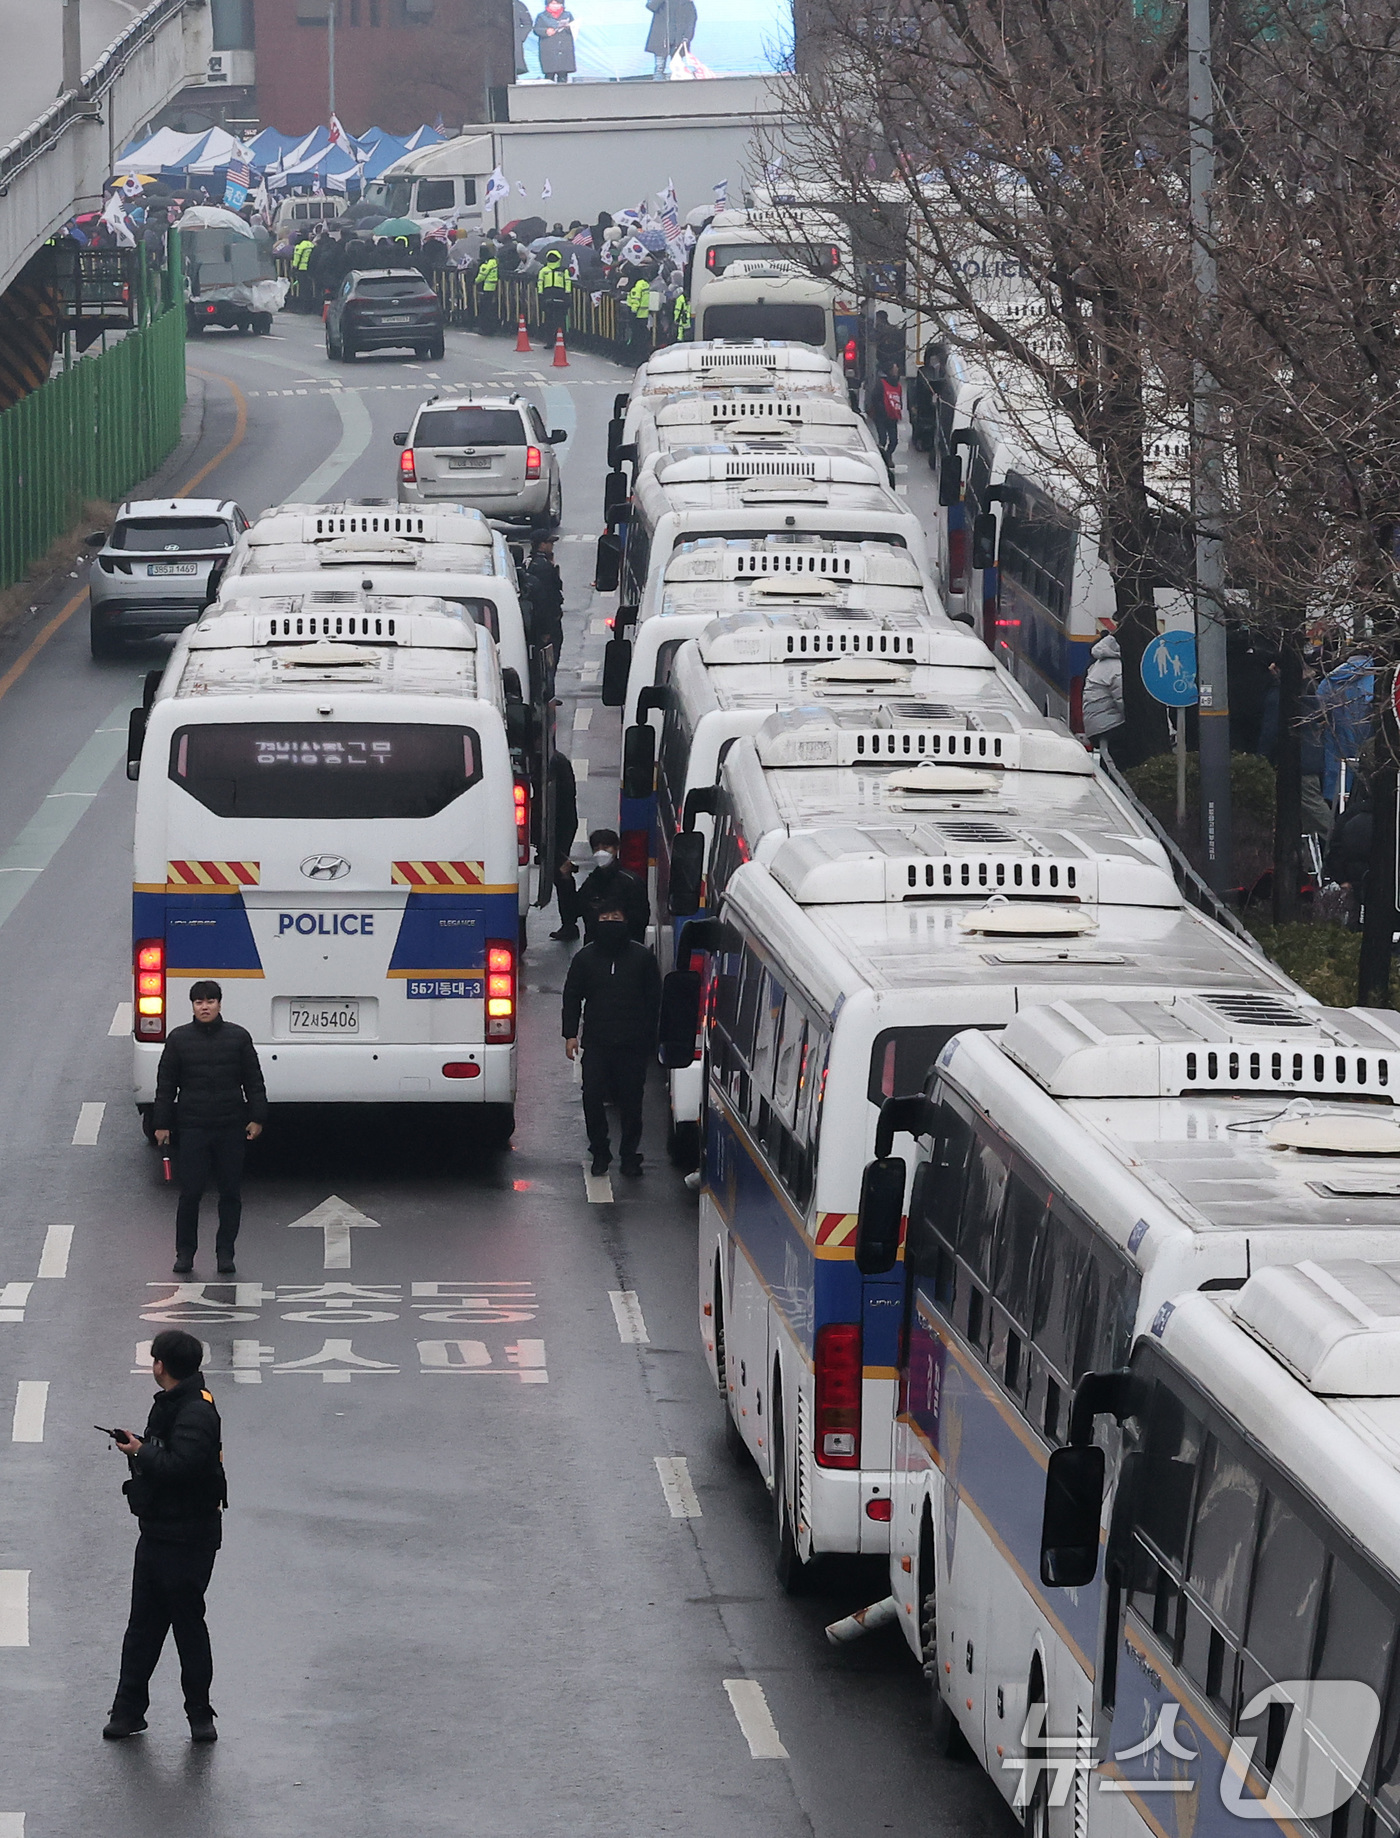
x: 326, y: 824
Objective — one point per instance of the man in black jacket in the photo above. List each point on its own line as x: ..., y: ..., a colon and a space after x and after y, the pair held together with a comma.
x: 615, y: 985
x: 209, y: 1088
x: 178, y: 1494
x: 611, y: 885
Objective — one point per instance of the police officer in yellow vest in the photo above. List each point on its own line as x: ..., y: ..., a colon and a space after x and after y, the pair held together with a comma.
x: 680, y: 316
x: 487, y: 289
x: 301, y: 279
x: 555, y: 287
x: 639, y: 306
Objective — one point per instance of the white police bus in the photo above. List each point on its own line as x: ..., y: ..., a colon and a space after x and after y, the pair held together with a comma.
x: 1081, y: 1180
x: 325, y: 823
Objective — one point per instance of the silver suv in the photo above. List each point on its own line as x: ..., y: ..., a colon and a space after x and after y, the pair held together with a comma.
x: 492, y: 452
x: 159, y: 567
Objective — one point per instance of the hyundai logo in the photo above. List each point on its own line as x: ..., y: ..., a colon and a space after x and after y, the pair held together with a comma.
x: 325, y: 867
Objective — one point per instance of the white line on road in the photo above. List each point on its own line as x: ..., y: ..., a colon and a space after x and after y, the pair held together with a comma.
x: 14, y: 1608
x: 336, y: 1218
x: 631, y: 1327
x: 597, y: 1186
x: 88, y: 1125
x: 583, y: 718
x: 580, y: 771
x: 14, y: 1299
x: 58, y: 1242
x: 121, y: 1021
x: 588, y: 674
x: 356, y: 430
x: 599, y: 628
x: 12, y: 1823
x: 755, y: 1719
x: 31, y: 1401
x: 681, y: 1497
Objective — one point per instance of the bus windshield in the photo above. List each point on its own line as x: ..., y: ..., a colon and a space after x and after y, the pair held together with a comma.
x: 330, y: 770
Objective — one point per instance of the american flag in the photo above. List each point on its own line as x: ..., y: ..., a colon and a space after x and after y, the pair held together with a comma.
x: 670, y: 214
x: 584, y: 239
x: 240, y: 173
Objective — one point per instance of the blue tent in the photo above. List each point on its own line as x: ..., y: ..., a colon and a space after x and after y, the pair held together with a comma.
x: 423, y: 137
x: 383, y: 154
x: 269, y: 146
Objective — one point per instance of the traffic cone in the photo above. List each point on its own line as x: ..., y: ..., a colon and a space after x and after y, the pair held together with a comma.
x: 561, y: 356
x: 522, y: 337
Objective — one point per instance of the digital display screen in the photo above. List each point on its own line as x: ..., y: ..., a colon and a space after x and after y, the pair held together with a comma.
x: 329, y: 770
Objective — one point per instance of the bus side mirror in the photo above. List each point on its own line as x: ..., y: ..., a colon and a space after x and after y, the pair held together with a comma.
x: 680, y: 1017
x: 617, y: 667
x: 614, y: 439
x: 639, y: 761
x: 608, y: 564
x: 950, y: 480
x: 1069, y: 1532
x: 614, y: 495
x: 687, y: 873
x: 620, y: 402
x: 881, y: 1215
x: 909, y: 1116
x: 150, y: 683
x: 984, y: 540
x: 135, y: 738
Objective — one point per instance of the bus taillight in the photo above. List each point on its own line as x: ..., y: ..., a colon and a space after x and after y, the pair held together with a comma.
x: 838, y: 1375
x: 632, y: 851
x: 408, y: 468
x: 150, y: 989
x: 852, y: 356
x: 500, y: 991
x: 522, y: 823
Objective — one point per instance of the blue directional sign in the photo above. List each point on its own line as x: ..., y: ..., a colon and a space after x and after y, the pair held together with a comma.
x: 1169, y: 669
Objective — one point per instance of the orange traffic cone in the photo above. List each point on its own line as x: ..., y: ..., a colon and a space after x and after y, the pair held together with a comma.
x: 561, y: 356
x: 522, y: 337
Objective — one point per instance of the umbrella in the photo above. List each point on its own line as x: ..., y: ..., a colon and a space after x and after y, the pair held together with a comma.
x: 213, y: 217
x: 525, y: 227
x: 396, y: 226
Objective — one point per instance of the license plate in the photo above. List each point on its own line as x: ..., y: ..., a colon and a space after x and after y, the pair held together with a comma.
x: 172, y: 568
x: 468, y: 465
x: 395, y: 318
x: 311, y: 1017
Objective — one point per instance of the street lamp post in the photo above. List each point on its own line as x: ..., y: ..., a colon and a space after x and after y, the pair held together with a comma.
x: 1207, y: 488
x: 330, y: 57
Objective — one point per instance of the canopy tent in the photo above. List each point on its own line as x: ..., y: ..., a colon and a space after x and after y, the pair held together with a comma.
x: 328, y: 163
x: 164, y: 150
x: 423, y: 137
x: 217, y: 148
x: 383, y: 154
x: 267, y: 147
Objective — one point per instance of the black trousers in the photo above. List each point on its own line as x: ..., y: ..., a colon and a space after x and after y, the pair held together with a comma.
x: 554, y: 313
x: 614, y: 1075
x: 209, y: 1158
x: 168, y: 1582
x: 887, y: 434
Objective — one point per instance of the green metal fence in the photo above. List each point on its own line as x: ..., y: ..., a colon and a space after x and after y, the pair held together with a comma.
x: 93, y: 432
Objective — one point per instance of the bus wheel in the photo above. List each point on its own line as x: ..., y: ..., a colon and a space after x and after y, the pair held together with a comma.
x: 794, y: 1575
x: 734, y: 1444
x: 1035, y: 1819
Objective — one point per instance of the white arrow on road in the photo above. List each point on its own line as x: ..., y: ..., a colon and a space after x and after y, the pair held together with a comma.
x: 337, y: 1219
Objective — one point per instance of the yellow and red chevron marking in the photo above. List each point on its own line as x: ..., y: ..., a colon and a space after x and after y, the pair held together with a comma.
x: 211, y: 877
x: 439, y: 877
x: 836, y: 1228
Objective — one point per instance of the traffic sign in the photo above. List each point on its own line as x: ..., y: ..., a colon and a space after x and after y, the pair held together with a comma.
x: 1169, y: 669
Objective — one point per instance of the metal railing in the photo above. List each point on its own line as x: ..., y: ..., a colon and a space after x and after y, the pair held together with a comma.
x: 91, y: 433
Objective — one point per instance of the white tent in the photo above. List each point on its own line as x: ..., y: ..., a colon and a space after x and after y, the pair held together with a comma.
x: 218, y: 149
x: 164, y: 148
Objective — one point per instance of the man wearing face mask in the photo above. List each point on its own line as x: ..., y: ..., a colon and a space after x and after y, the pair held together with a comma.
x: 614, y: 985
x: 613, y: 886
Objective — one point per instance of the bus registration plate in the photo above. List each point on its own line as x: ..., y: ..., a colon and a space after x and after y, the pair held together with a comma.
x: 311, y: 1017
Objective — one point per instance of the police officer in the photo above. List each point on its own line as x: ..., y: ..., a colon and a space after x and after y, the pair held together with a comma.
x: 178, y: 1494
x: 612, y: 886
x: 209, y: 1088
x: 554, y: 286
x: 680, y: 317
x: 639, y: 306
x: 614, y: 985
x: 301, y: 278
x: 486, y: 288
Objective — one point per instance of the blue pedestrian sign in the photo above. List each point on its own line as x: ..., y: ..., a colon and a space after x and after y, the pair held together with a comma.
x: 1169, y: 669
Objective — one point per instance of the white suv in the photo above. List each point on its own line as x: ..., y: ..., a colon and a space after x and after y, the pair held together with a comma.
x: 492, y: 452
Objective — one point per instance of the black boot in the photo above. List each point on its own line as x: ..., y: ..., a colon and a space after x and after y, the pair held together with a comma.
x: 202, y: 1725
x: 123, y: 1723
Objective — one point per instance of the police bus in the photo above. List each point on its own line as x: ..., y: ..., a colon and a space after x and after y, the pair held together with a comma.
x: 326, y: 823
x: 1105, y: 1194
x: 840, y: 967
x: 723, y: 416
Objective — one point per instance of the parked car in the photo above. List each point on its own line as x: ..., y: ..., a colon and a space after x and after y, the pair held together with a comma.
x: 380, y: 307
x: 492, y: 452
x: 158, y: 567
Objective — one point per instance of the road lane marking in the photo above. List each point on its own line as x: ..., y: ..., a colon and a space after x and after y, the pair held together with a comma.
x: 356, y: 431
x: 85, y: 1131
x: 336, y: 1218
x: 31, y: 1401
x: 583, y: 718
x: 58, y: 1242
x: 121, y: 1021
x: 12, y: 1823
x: 599, y: 628
x: 240, y: 428
x: 750, y: 1706
x: 580, y: 771
x: 588, y: 674
x: 14, y: 1608
x: 14, y: 1298
x: 597, y: 1186
x: 631, y: 1327
x: 674, y: 1474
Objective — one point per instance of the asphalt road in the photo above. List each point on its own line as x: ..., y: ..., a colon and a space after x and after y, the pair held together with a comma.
x: 32, y: 34
x: 450, y: 1601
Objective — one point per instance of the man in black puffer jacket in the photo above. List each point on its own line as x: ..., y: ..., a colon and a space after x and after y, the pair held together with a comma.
x: 615, y: 986
x: 178, y: 1494
x: 209, y: 1089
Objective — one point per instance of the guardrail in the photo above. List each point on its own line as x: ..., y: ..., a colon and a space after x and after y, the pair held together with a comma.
x: 58, y: 162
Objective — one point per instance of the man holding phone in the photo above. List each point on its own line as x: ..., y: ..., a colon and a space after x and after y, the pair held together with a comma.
x: 177, y: 1492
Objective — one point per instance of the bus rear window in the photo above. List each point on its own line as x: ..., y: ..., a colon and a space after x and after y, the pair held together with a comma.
x: 803, y: 325
x: 330, y: 770
x: 902, y: 1058
x: 480, y: 612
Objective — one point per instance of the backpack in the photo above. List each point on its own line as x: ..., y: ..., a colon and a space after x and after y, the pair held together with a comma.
x: 892, y: 397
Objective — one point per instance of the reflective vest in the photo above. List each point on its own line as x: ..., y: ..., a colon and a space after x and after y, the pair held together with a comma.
x: 301, y: 255
x: 555, y: 277
x: 488, y: 276
x: 680, y: 312
x: 639, y: 299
